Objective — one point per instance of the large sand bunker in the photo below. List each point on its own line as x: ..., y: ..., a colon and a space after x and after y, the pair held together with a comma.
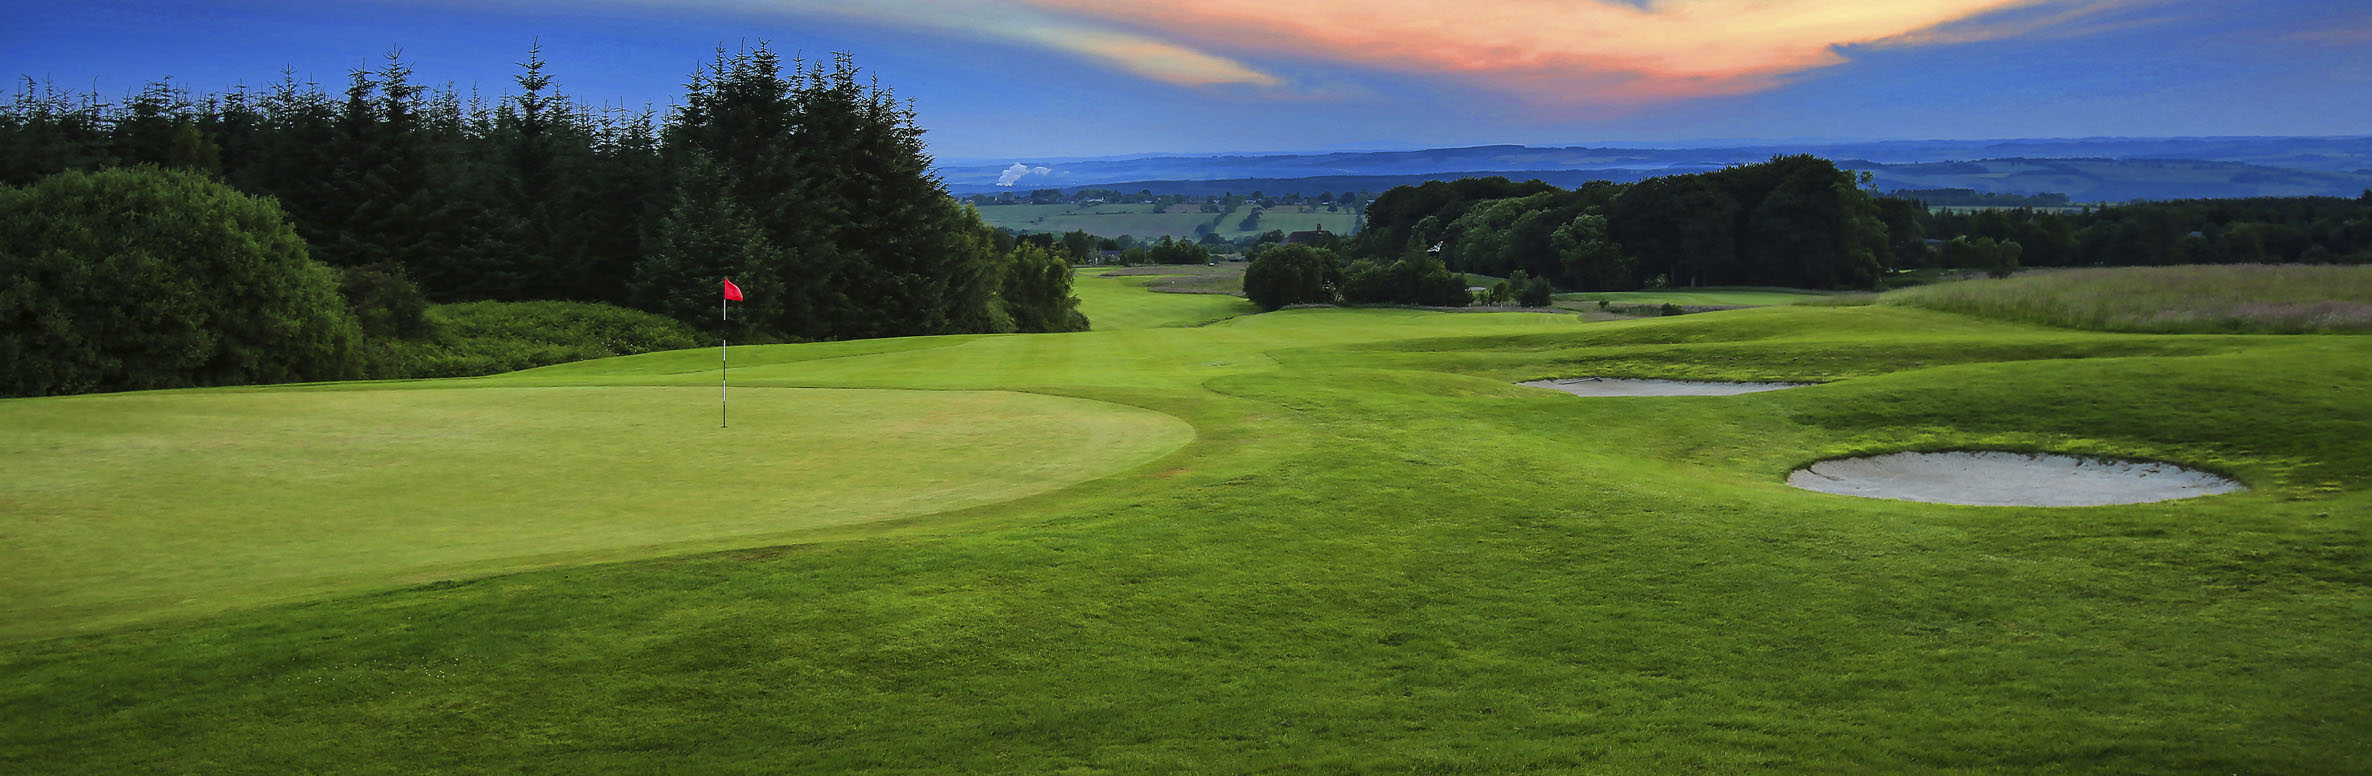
x: 2009, y: 479
x: 1616, y: 386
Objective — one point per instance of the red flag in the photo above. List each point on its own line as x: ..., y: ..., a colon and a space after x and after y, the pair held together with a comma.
x: 732, y: 292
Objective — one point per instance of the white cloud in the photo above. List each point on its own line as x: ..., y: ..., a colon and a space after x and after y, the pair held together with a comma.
x: 1018, y: 171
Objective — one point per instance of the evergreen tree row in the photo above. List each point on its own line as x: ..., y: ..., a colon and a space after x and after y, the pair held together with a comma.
x: 805, y: 182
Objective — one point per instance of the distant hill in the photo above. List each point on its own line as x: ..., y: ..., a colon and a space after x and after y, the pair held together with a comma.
x: 2117, y: 180
x: 2088, y: 170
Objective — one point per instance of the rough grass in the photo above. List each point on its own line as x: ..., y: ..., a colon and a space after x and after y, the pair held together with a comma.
x: 1227, y: 278
x: 483, y: 338
x: 2230, y: 298
x: 1378, y: 555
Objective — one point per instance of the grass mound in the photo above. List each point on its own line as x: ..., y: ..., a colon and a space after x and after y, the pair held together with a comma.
x: 2207, y: 299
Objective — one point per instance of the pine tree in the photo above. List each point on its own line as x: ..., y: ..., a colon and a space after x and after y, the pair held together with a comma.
x: 705, y: 238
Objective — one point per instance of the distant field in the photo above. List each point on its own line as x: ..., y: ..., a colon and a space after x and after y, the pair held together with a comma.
x: 1101, y: 220
x: 1143, y: 221
x: 1712, y: 296
x: 1290, y: 219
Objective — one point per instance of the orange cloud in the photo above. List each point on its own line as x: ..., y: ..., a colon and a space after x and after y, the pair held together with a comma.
x: 1569, y: 52
x: 1574, y: 49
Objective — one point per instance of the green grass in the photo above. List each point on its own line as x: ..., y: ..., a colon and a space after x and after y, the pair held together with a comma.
x: 1710, y: 296
x: 2230, y: 298
x: 1376, y: 555
x: 1116, y: 303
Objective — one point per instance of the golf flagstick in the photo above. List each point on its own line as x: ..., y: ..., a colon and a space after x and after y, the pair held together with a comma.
x: 725, y: 351
x: 724, y: 363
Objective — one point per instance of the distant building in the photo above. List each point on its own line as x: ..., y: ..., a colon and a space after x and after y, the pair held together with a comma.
x: 1312, y: 237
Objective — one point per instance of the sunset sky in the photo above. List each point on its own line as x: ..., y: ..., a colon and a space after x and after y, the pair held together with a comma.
x: 1045, y: 79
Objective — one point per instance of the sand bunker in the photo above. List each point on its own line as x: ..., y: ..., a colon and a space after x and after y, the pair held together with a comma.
x: 2009, y: 479
x: 1615, y: 386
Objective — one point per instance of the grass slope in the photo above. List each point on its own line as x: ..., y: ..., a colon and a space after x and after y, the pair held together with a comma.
x: 1379, y: 555
x: 1115, y: 303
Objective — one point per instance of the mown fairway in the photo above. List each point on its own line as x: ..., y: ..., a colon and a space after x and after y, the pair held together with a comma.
x: 1115, y: 303
x: 1376, y: 555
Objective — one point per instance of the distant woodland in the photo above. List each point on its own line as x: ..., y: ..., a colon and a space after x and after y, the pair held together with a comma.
x: 1800, y: 221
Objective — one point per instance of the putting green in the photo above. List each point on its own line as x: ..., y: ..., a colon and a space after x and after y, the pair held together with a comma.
x: 310, y: 493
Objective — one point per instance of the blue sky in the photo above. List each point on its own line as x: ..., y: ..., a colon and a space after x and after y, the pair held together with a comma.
x: 1043, y: 79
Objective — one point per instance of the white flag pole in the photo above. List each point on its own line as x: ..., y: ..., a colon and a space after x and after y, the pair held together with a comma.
x: 724, y: 358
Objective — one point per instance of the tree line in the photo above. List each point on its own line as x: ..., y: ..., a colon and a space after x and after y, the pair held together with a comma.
x: 1792, y: 221
x: 2260, y: 230
x: 1799, y: 221
x: 802, y: 180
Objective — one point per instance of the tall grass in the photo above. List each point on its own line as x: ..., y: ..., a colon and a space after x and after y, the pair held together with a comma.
x: 2204, y: 299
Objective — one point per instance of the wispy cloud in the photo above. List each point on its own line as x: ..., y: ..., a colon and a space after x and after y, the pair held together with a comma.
x: 1552, y: 51
x: 2338, y: 32
x: 1587, y: 50
x: 1148, y: 55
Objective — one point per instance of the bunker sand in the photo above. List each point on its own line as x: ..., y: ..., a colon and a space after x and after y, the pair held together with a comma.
x: 1612, y: 387
x: 1992, y: 478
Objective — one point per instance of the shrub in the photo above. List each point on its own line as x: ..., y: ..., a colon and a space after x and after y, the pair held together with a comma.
x: 1531, y: 291
x: 1292, y: 274
x: 1417, y: 278
x: 1037, y: 292
x: 1170, y: 251
x: 130, y: 279
x: 385, y: 301
x: 482, y: 338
